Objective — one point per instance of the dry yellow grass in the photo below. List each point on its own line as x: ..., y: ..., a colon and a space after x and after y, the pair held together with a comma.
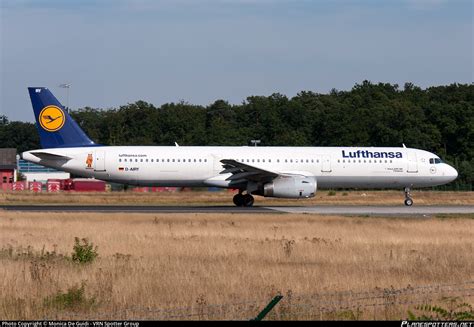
x: 157, y: 261
x: 225, y: 198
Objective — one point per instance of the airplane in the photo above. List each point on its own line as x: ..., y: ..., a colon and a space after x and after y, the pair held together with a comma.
x: 280, y: 172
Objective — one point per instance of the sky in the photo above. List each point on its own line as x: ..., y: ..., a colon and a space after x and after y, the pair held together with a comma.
x: 115, y: 52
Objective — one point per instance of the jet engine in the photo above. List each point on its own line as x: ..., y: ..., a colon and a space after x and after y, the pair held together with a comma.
x: 291, y: 187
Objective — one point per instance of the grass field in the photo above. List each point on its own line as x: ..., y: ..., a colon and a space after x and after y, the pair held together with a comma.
x: 225, y: 198
x: 157, y: 261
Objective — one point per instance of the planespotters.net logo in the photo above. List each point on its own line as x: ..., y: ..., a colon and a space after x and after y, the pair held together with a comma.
x: 437, y: 324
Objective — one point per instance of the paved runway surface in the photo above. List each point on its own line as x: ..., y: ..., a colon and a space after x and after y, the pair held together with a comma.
x: 325, y: 210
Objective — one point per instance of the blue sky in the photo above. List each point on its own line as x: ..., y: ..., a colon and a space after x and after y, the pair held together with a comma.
x: 115, y: 52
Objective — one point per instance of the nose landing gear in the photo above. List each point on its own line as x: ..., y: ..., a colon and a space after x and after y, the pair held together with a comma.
x: 408, y: 199
x: 243, y: 200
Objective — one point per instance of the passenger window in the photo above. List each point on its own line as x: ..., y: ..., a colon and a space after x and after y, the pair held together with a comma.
x: 136, y: 160
x: 120, y: 160
x: 205, y: 160
x: 199, y: 160
x: 269, y: 160
x: 278, y: 160
x: 146, y: 160
x: 431, y: 161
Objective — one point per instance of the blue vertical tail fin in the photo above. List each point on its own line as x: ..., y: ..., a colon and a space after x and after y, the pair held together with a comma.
x: 56, y: 128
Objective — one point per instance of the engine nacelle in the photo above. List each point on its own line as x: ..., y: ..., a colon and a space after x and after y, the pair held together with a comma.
x: 291, y: 187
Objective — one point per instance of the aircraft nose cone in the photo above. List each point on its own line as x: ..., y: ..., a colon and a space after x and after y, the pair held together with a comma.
x: 452, y: 173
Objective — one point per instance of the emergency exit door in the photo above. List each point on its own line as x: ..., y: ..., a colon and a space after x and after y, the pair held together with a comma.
x: 99, y: 160
x: 412, y: 162
x: 326, y: 164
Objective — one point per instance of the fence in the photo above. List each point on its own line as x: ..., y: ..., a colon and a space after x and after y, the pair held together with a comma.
x: 388, y: 303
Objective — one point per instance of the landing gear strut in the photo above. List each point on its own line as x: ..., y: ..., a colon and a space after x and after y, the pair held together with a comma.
x: 408, y: 199
x: 243, y: 200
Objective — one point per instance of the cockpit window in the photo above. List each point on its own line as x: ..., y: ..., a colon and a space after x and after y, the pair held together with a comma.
x: 435, y: 161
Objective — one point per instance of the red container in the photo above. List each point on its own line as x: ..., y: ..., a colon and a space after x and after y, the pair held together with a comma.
x: 88, y: 185
x: 35, y: 186
x: 163, y: 189
x: 66, y: 184
x: 140, y: 189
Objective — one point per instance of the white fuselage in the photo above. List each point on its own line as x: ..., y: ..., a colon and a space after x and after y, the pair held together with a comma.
x: 333, y: 167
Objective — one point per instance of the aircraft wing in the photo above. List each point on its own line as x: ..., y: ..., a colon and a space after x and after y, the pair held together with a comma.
x: 242, y: 173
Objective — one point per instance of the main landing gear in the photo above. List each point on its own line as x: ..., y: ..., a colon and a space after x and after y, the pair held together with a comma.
x: 408, y: 199
x: 243, y: 200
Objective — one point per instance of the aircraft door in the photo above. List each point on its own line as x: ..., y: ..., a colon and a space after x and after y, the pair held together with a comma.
x: 326, y: 164
x: 217, y: 165
x: 412, y: 163
x: 99, y: 160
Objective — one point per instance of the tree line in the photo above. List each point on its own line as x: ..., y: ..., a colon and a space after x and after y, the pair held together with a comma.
x: 438, y: 119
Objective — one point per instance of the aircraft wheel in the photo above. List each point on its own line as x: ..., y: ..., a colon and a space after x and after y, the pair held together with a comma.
x: 408, y: 202
x: 238, y: 200
x: 248, y: 200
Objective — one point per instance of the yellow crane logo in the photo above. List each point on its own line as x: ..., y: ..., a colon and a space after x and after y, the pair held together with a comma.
x: 51, y: 118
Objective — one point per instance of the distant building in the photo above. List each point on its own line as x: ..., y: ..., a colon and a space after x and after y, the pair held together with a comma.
x: 37, y: 173
x: 8, y: 168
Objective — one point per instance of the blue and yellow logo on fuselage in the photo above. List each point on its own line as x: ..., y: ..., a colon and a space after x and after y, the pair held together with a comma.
x: 51, y: 118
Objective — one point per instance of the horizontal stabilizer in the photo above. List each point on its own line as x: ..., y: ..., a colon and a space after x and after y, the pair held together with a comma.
x: 50, y: 156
